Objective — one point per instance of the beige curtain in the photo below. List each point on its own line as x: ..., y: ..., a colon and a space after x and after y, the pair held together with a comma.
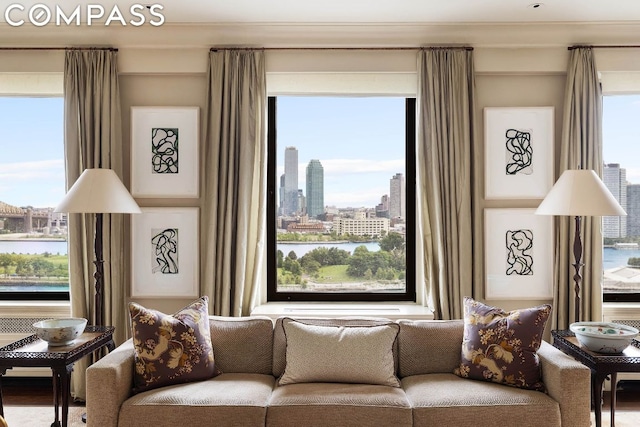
x: 581, y: 147
x: 233, y: 216
x: 445, y: 135
x: 93, y: 139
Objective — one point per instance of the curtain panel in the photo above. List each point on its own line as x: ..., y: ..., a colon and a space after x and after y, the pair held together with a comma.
x: 233, y: 216
x: 581, y: 148
x: 93, y: 139
x: 446, y: 122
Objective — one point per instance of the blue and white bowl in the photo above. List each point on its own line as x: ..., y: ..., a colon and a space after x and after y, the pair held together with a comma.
x: 604, y: 337
x: 58, y: 332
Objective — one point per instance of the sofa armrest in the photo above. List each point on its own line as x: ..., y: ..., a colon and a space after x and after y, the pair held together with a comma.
x: 568, y: 382
x: 109, y: 384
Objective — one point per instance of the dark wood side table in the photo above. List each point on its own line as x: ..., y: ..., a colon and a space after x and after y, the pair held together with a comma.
x: 601, y: 365
x: 33, y: 352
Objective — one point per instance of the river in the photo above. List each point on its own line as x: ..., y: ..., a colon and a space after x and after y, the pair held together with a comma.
x: 612, y: 258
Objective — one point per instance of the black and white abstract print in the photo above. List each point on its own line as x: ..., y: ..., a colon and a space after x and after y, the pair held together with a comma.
x: 164, y: 251
x: 164, y: 150
x: 519, y: 248
x: 519, y: 152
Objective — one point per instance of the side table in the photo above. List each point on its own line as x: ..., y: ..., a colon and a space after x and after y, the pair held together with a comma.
x: 34, y: 352
x: 601, y: 365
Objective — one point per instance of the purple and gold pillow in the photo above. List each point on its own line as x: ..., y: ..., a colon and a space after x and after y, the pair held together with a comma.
x: 502, y: 346
x: 171, y: 349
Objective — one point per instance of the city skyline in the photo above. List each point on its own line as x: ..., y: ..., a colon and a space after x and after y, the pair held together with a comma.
x: 293, y: 201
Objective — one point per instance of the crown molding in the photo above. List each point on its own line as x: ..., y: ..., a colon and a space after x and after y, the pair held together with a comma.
x: 305, y: 35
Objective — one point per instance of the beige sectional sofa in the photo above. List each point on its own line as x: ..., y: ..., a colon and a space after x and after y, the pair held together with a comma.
x: 251, y: 353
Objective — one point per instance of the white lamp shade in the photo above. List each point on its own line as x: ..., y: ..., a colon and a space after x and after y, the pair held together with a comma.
x: 580, y: 193
x: 98, y: 191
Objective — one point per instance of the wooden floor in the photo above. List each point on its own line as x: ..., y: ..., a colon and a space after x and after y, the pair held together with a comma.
x: 29, y: 392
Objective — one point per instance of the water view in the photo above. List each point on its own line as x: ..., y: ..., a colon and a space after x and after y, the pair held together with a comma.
x: 612, y: 258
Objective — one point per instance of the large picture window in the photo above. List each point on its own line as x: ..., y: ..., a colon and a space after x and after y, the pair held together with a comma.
x: 621, y: 175
x: 341, y: 198
x: 34, y: 260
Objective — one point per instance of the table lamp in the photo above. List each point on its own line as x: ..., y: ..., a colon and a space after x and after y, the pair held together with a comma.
x: 98, y: 191
x: 578, y: 193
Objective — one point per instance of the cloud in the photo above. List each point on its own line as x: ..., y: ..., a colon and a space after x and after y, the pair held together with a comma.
x: 633, y: 175
x: 367, y: 197
x: 341, y: 167
x: 351, y: 166
x: 26, y: 171
x: 36, y: 183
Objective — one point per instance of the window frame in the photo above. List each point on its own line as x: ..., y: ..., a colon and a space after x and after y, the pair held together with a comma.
x: 410, y: 243
x: 617, y: 297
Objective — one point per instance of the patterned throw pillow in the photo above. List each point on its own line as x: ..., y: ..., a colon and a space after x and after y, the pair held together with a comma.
x: 171, y: 349
x: 502, y: 346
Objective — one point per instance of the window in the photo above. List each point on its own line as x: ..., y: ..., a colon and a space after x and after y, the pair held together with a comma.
x: 33, y: 239
x: 341, y: 207
x: 621, y: 175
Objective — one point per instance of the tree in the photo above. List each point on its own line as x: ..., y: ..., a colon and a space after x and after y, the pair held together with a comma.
x: 292, y: 266
x: 292, y: 255
x: 392, y: 241
x: 6, y: 261
x: 279, y: 258
x: 363, y: 260
x: 310, y: 266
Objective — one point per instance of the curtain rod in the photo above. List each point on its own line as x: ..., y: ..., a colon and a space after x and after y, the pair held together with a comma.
x: 113, y: 49
x: 622, y: 46
x: 214, y: 49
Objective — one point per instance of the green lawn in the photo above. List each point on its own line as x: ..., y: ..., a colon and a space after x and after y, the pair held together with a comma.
x: 334, y: 274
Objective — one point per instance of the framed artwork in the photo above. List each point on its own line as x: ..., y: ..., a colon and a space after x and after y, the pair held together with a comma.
x: 165, y: 253
x: 164, y: 151
x: 518, y: 152
x: 518, y: 254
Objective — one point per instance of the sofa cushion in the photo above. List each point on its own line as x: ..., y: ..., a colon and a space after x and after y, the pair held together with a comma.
x: 502, y: 346
x: 336, y: 404
x: 429, y: 346
x: 228, y: 400
x: 171, y: 349
x: 280, y: 341
x: 340, y: 354
x: 448, y: 400
x: 242, y: 344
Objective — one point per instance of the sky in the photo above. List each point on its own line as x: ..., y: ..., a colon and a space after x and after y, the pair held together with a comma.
x: 363, y: 136
x: 31, y: 151
x: 621, y: 133
x: 358, y: 140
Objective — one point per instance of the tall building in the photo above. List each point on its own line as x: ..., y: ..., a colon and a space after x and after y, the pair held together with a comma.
x: 315, y: 189
x: 633, y: 210
x: 290, y: 192
x: 615, y: 179
x: 397, y: 197
x: 382, y: 210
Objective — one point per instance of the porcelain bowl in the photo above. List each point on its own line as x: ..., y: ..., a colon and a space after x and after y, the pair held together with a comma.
x: 604, y: 337
x: 59, y: 332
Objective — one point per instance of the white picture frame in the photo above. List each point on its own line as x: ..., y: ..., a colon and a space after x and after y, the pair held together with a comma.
x: 518, y: 254
x: 519, y: 147
x: 165, y: 253
x: 164, y: 152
